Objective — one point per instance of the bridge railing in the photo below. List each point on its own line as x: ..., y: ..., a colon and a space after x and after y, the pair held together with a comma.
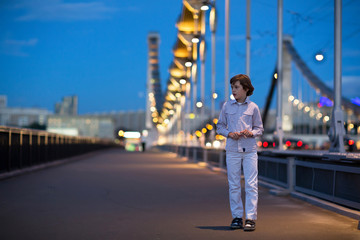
x: 330, y: 176
x: 22, y: 148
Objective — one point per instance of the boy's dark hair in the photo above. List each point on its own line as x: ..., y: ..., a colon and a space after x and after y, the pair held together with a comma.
x: 245, y: 82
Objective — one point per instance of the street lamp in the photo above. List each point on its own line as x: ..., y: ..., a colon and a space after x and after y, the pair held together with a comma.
x: 319, y: 56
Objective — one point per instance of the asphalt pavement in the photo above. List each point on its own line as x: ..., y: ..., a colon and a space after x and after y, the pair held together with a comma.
x: 113, y: 194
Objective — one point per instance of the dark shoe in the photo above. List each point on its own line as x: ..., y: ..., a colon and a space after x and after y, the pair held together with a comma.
x: 249, y: 225
x: 237, y: 223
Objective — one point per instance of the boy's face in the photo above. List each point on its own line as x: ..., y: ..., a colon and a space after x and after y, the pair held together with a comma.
x: 238, y: 91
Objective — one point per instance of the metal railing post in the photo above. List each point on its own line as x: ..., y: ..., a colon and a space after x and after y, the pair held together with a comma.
x: 205, y: 155
x: 221, y: 159
x: 291, y: 174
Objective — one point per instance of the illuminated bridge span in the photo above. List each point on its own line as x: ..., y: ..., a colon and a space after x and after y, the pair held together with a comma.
x: 315, y: 81
x: 178, y: 117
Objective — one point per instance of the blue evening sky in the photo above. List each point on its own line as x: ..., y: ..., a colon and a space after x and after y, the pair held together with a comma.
x: 97, y: 49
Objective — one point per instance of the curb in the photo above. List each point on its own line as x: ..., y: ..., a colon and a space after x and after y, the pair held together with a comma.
x: 328, y: 206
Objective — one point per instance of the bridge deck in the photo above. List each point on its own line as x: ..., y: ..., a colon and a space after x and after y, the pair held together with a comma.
x: 119, y: 195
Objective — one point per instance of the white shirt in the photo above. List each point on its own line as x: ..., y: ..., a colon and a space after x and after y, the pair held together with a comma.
x: 236, y: 117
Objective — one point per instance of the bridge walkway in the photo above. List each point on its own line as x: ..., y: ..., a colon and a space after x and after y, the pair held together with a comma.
x: 112, y: 194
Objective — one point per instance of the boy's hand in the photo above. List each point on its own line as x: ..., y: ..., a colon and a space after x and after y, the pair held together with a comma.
x: 246, y: 133
x: 234, y: 135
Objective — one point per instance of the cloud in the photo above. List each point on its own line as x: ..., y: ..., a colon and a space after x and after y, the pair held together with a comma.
x: 16, y: 47
x: 57, y: 10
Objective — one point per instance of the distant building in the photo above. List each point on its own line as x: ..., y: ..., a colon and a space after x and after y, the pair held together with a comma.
x: 129, y: 120
x: 84, y: 125
x: 21, y: 117
x: 3, y: 101
x: 102, y: 125
x: 68, y: 106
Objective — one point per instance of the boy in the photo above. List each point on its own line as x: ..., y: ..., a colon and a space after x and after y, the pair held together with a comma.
x: 240, y: 122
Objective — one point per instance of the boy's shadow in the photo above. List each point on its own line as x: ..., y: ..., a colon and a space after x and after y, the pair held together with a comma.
x: 216, y: 228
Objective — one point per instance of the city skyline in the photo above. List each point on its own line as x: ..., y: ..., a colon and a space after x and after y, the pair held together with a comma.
x: 98, y: 50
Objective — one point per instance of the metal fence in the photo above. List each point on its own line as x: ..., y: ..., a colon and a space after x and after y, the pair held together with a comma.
x: 22, y: 148
x: 331, y: 176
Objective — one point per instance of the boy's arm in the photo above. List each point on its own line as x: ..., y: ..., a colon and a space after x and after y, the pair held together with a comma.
x: 221, y: 126
x: 258, y: 128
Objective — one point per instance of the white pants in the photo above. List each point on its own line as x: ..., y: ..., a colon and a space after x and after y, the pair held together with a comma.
x: 250, y: 167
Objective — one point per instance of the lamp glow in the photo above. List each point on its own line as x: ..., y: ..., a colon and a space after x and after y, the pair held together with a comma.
x: 319, y: 57
x: 182, y: 81
x: 204, y: 8
x: 195, y: 40
x: 132, y: 135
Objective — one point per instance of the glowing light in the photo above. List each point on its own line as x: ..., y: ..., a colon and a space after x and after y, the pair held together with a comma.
x: 155, y: 120
x: 307, y: 109
x: 288, y: 143
x: 195, y: 40
x: 153, y: 109
x: 299, y: 143
x: 219, y: 137
x: 312, y: 113
x: 204, y: 130
x: 132, y: 135
x: 204, y: 7
x: 121, y: 133
x: 183, y: 81
x: 291, y: 98
x: 301, y: 105
x: 198, y: 133
x: 191, y: 115
x: 209, y: 126
x: 177, y: 95
x: 319, y: 57
x: 326, y: 118
x: 199, y: 104
x: 356, y: 101
x: 166, y: 121
x: 265, y: 144
x: 351, y: 126
x: 275, y: 75
x: 259, y: 143
x: 215, y: 95
x: 296, y: 102
x: 208, y: 144
x: 145, y: 133
x: 171, y: 112
x: 351, y: 142
x: 215, y: 120
x: 216, y: 144
x: 318, y: 116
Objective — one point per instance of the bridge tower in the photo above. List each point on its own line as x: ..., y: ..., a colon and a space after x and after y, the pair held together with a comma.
x: 154, y: 95
x: 154, y: 98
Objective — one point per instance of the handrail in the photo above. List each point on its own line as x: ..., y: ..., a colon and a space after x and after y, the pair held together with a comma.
x: 22, y: 148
